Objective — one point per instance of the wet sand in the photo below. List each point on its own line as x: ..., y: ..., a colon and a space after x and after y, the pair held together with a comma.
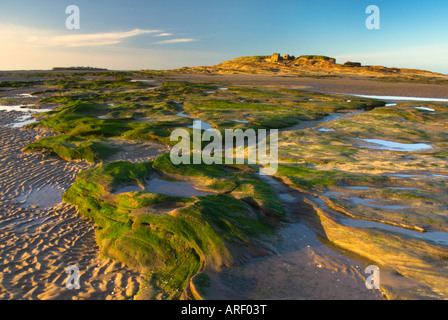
x: 301, y: 268
x: 40, y: 236
x: 328, y: 85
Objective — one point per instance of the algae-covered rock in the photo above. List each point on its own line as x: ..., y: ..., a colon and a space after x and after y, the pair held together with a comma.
x: 170, y: 246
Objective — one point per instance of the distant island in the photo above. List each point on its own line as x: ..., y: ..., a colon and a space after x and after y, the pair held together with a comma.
x: 315, y: 66
x: 78, y: 69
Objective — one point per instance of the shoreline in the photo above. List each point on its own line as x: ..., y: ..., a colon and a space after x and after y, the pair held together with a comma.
x: 32, y: 219
x: 340, y: 85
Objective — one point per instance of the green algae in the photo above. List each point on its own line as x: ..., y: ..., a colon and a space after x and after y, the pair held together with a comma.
x: 171, y: 247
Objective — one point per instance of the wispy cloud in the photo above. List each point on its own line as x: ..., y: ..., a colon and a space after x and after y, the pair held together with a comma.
x: 175, y: 41
x: 26, y: 47
x: 87, y: 40
x: 163, y: 34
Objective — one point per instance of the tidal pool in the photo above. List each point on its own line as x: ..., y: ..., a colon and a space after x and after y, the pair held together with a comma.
x: 23, y: 108
x: 202, y: 124
x: 396, y: 146
x: 425, y: 109
x: 323, y: 129
x: 26, y: 118
x: 438, y: 237
x: 45, y: 197
x: 169, y: 188
x: 400, y: 98
x: 174, y: 188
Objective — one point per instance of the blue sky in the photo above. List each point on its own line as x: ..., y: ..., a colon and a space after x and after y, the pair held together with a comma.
x: 139, y: 34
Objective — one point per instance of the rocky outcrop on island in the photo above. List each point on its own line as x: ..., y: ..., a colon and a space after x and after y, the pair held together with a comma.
x: 315, y: 66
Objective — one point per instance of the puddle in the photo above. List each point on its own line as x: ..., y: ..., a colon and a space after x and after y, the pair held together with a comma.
x: 287, y: 197
x: 314, y: 123
x: 169, y: 188
x: 404, y: 175
x: 366, y: 202
x: 397, y: 188
x: 368, y: 188
x: 196, y: 122
x: 23, y: 121
x: 22, y: 108
x: 174, y: 188
x: 395, y: 146
x: 358, y: 188
x: 142, y: 80
x: 434, y: 236
x: 399, y: 98
x: 127, y: 189
x: 27, y: 95
x: 425, y: 109
x: 199, y: 124
x: 102, y: 117
x: 235, y: 120
x: 370, y: 203
x: 223, y: 88
x: 45, y: 197
x: 323, y: 129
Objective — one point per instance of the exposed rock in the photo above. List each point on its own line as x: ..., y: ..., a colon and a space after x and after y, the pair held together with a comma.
x: 352, y: 64
x: 276, y: 57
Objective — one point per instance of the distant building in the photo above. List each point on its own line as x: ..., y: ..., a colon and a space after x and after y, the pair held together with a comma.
x: 352, y: 64
x: 276, y: 57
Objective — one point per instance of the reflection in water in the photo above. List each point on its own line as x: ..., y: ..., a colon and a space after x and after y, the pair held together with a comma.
x: 396, y: 146
x: 170, y: 188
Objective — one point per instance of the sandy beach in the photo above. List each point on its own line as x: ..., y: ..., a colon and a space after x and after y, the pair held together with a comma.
x: 40, y: 236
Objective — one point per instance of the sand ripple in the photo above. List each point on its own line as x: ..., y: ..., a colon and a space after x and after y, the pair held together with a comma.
x: 40, y: 236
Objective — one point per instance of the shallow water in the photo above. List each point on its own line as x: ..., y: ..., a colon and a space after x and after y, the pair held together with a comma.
x: 174, y: 188
x: 45, y: 197
x: 287, y: 197
x: 301, y: 268
x: 400, y: 98
x: 314, y: 123
x: 22, y: 108
x: 396, y: 146
x: 169, y: 188
x: 358, y: 188
x: 434, y: 236
x: 142, y: 80
x: 199, y: 124
x: 323, y: 129
x: 425, y: 109
x: 23, y: 121
x: 365, y: 201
